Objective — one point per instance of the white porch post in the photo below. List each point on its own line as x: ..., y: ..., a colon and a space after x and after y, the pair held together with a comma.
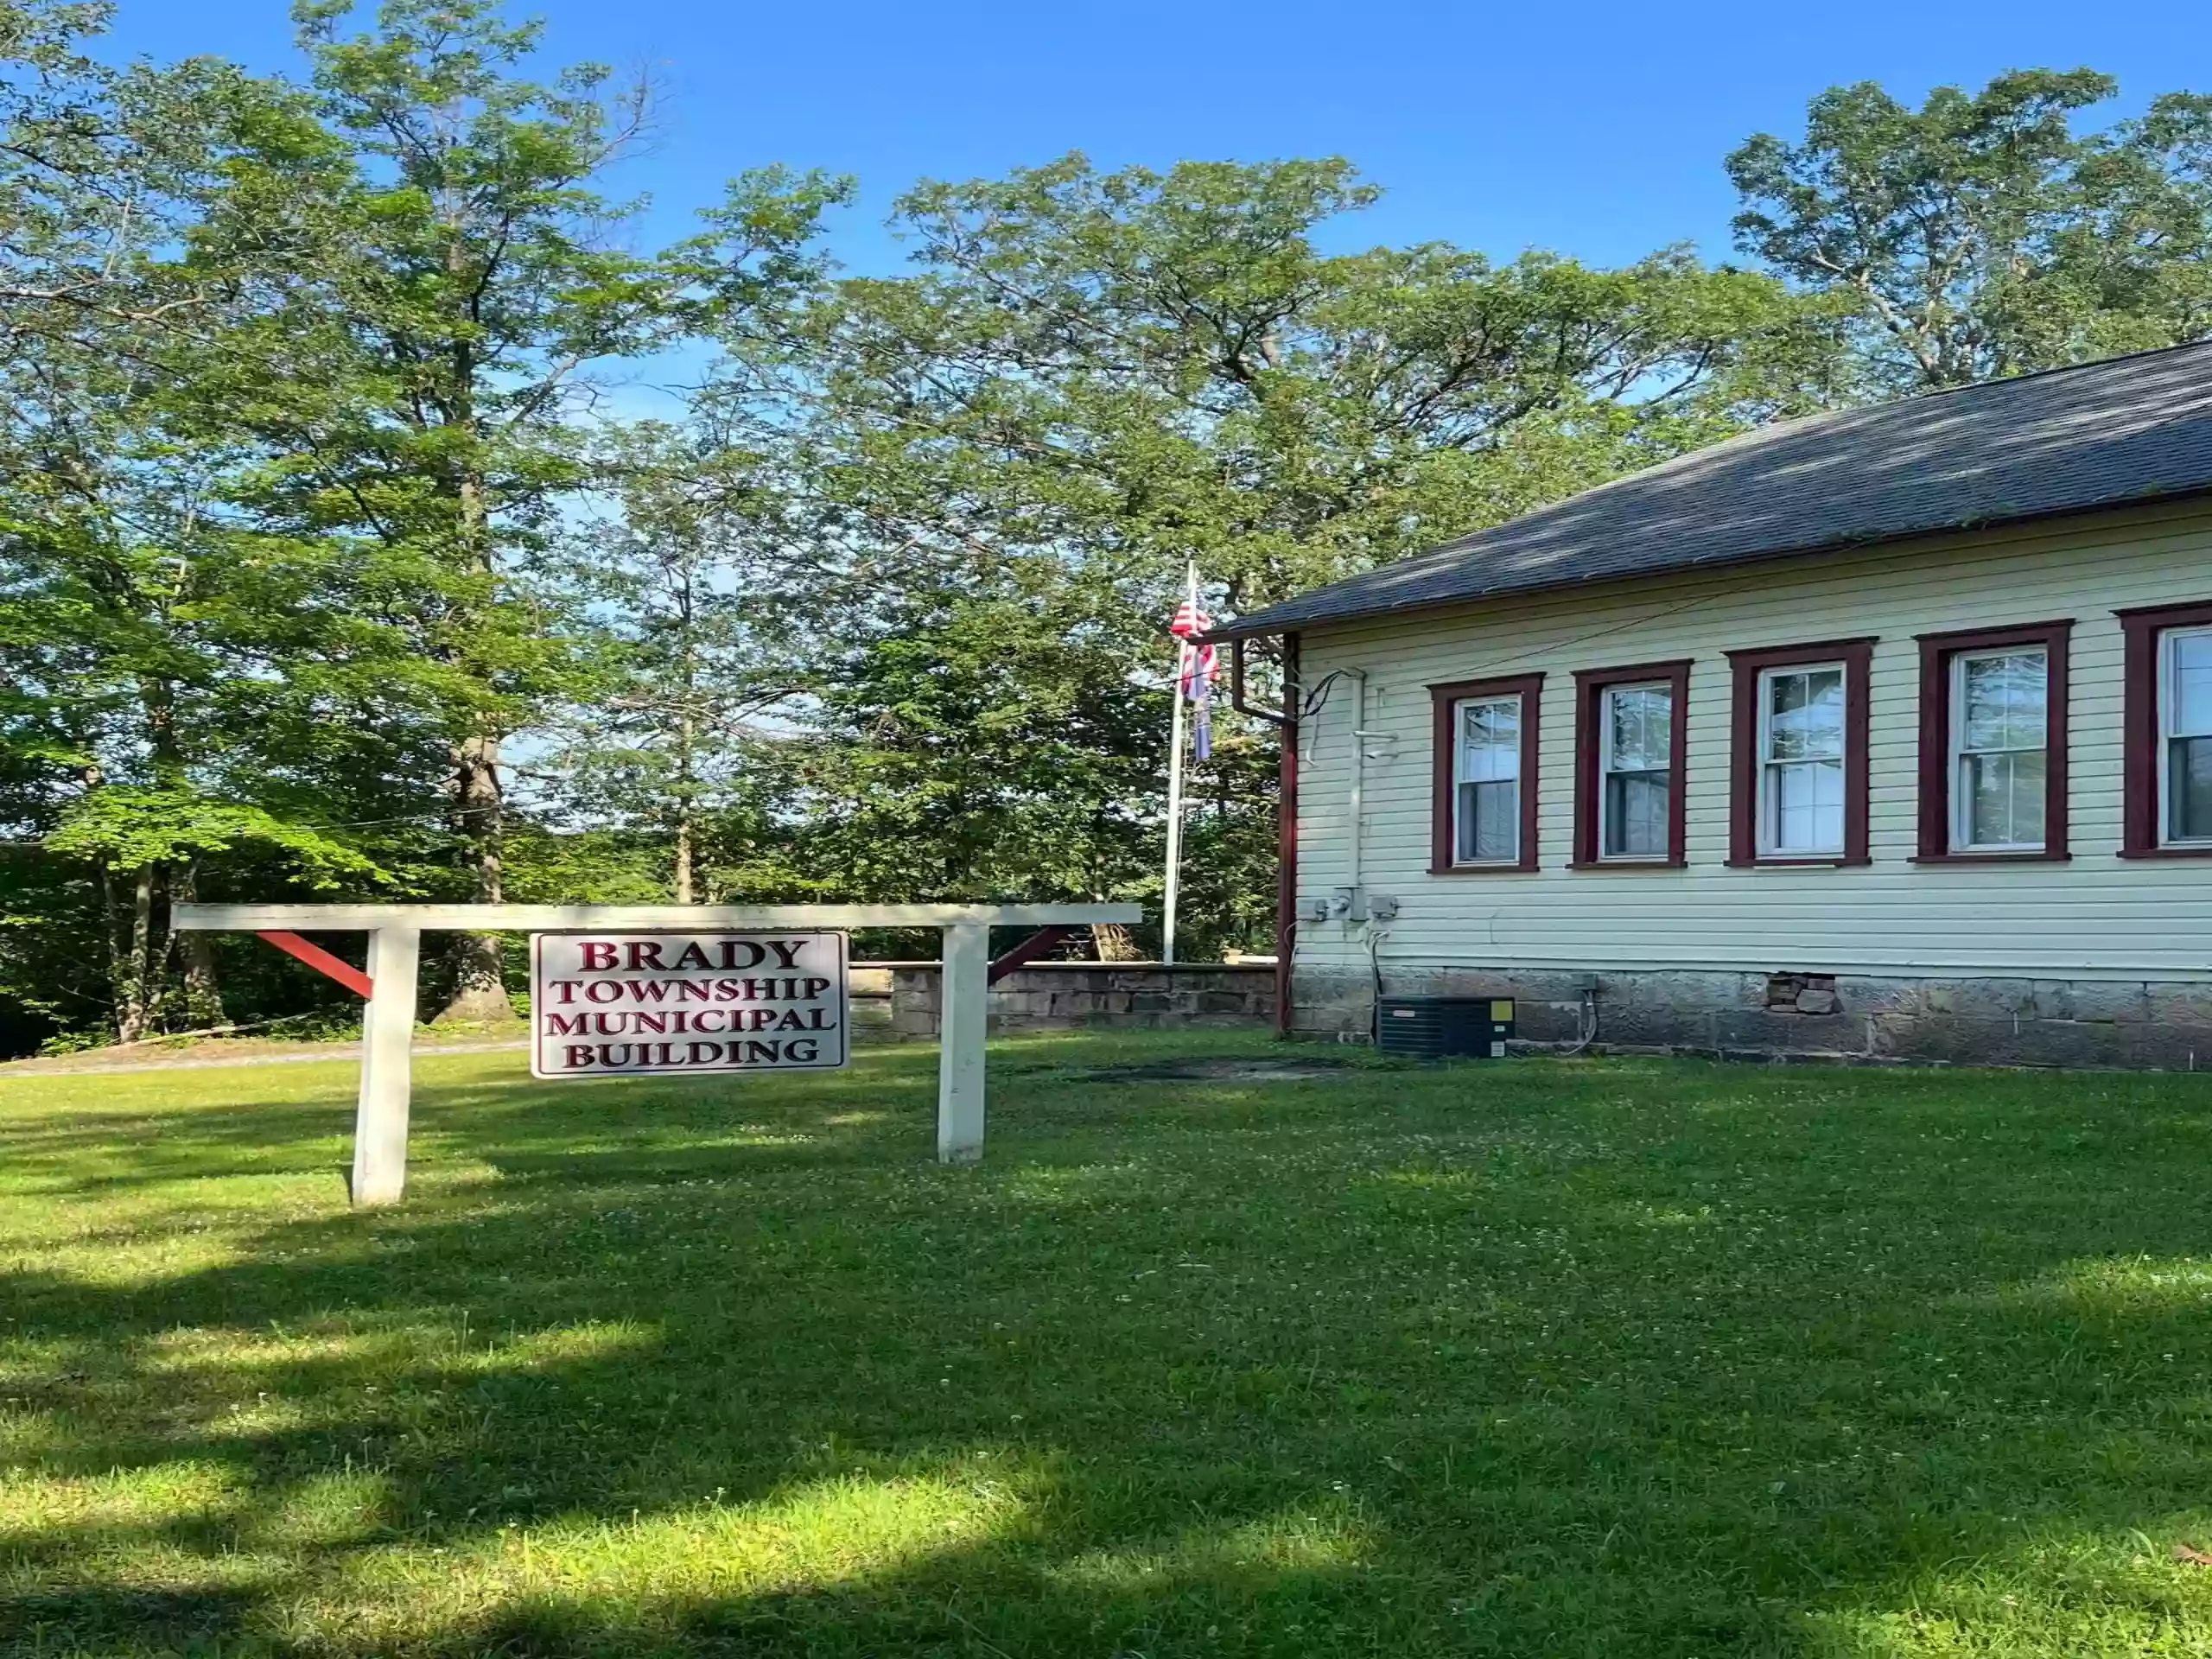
x: 964, y: 1008
x: 387, y: 1039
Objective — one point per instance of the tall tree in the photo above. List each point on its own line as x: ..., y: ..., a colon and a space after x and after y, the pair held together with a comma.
x: 464, y: 290
x: 100, y: 174
x: 1143, y: 367
x: 2141, y: 251
x: 469, y: 283
x: 987, y: 742
x: 1981, y: 234
x: 299, y: 392
x: 694, y: 649
x: 1093, y: 377
x: 131, y: 638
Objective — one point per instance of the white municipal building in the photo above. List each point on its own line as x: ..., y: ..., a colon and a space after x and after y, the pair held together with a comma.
x: 1885, y: 734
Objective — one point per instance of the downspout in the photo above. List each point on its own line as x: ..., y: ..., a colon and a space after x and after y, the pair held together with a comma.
x: 1287, y: 839
x: 1357, y: 801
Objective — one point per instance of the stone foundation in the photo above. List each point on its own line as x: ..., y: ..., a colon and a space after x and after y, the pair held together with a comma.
x: 2136, y: 1024
x: 1074, y: 996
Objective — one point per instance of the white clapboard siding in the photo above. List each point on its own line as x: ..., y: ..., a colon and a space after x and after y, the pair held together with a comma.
x: 2096, y: 916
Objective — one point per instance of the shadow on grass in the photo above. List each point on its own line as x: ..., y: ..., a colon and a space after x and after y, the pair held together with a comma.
x: 1659, y: 1359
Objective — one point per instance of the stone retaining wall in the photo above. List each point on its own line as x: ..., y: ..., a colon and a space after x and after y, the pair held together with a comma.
x: 1069, y: 995
x: 2144, y: 1024
x: 869, y: 1000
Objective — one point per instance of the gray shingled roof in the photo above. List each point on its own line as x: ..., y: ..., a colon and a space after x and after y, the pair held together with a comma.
x: 2127, y: 430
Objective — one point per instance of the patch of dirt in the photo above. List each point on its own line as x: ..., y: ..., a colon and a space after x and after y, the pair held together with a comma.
x: 253, y: 1051
x: 1240, y: 1070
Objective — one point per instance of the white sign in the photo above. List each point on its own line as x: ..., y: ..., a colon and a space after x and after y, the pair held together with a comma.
x: 660, y: 1002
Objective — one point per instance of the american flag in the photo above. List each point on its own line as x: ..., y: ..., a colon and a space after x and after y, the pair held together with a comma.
x: 1197, y: 667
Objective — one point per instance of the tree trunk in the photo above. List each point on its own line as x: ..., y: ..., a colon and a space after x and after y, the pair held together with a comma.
x: 479, y: 805
x: 684, y: 894
x: 134, y: 976
x: 687, y: 727
x: 479, y: 989
x: 122, y: 1012
x: 684, y: 829
x: 203, y: 990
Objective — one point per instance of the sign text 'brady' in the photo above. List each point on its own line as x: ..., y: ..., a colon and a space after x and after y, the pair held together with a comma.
x: 604, y: 1002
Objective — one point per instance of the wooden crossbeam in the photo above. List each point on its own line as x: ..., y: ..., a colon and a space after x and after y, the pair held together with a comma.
x: 1026, y: 952
x: 554, y: 919
x: 321, y: 961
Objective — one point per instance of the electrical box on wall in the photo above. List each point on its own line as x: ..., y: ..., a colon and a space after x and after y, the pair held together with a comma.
x: 1347, y: 905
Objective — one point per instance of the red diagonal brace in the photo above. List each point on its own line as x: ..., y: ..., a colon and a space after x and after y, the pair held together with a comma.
x: 322, y: 961
x: 1027, y: 951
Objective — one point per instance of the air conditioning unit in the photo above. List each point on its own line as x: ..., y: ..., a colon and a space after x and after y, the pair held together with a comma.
x: 1446, y: 1027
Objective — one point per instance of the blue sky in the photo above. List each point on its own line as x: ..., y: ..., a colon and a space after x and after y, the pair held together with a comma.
x: 1596, y: 130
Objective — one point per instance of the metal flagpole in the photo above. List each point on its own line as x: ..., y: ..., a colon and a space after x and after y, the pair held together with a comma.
x: 1184, y: 653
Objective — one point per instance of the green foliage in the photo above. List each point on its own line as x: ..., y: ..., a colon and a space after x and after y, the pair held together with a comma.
x: 130, y: 828
x: 1980, y: 235
x: 691, y: 653
x: 1135, y: 369
x: 167, y: 664
x: 295, y: 430
x: 988, y: 745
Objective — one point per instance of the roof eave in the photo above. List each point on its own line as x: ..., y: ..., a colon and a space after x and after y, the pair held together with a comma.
x: 1262, y: 624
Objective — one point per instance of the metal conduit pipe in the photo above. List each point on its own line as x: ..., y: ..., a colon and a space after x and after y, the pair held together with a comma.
x: 1355, y: 801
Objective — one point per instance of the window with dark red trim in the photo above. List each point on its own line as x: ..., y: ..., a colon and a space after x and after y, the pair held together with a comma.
x: 1619, y: 765
x: 2156, y: 739
x: 1758, y: 789
x: 1454, y: 799
x: 1948, y: 750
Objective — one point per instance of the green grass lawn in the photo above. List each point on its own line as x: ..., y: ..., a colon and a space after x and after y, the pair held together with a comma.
x: 1617, y: 1359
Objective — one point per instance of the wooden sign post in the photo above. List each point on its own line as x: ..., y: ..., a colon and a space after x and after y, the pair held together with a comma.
x: 395, y: 945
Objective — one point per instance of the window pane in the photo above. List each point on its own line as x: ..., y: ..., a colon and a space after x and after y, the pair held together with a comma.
x: 2028, y: 779
x: 1785, y: 705
x: 1636, y: 815
x: 1805, y: 714
x: 1625, y: 712
x: 1490, y: 822
x: 1490, y: 740
x: 1498, y: 822
x: 2191, y: 714
x: 1805, y: 807
x: 1989, y: 782
x: 1982, y: 704
x: 2026, y: 722
x: 2005, y: 799
x: 1641, y: 727
x: 2002, y: 702
x: 1659, y: 726
x: 2189, y: 789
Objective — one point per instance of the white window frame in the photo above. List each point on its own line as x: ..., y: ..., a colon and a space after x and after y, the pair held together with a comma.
x: 1606, y: 771
x: 1962, y: 803
x: 1766, y: 842
x: 1460, y: 777
x: 2167, y: 704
